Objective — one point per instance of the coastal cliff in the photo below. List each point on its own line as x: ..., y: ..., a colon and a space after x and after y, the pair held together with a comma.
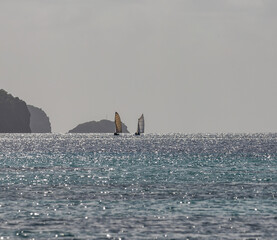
x: 39, y: 121
x: 103, y: 126
x: 14, y: 114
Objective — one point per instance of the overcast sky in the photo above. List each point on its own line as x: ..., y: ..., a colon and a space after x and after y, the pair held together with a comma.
x: 188, y: 65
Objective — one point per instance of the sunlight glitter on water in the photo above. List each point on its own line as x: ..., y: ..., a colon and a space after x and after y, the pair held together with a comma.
x: 154, y: 186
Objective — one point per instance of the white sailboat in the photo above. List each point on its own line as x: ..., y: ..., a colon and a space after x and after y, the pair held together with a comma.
x: 140, y: 125
x: 118, y: 124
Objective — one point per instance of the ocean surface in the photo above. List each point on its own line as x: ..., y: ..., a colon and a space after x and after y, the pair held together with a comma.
x: 174, y: 186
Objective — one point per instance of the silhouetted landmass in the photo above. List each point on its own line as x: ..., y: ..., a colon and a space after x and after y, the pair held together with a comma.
x: 103, y: 126
x: 39, y: 121
x: 14, y: 114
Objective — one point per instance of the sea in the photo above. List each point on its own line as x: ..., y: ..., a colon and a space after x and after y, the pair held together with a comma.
x: 153, y: 186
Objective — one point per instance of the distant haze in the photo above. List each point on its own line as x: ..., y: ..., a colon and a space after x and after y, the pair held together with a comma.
x: 188, y: 65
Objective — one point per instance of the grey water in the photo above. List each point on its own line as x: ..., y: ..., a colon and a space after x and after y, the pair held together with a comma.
x: 173, y: 186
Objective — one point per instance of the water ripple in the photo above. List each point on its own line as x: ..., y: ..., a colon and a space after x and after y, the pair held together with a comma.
x: 172, y: 186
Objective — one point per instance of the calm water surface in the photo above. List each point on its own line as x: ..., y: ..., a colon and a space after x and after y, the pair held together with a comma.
x: 175, y: 186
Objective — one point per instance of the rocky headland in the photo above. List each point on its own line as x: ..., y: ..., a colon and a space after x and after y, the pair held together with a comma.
x: 14, y: 114
x: 39, y: 121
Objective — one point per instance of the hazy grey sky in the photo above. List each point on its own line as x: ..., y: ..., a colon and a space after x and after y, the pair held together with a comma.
x: 188, y: 65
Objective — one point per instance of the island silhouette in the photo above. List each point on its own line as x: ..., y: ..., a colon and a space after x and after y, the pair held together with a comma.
x: 18, y: 117
x: 102, y: 126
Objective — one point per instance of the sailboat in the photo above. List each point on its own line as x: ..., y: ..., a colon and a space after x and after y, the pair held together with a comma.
x: 140, y: 125
x: 118, y: 124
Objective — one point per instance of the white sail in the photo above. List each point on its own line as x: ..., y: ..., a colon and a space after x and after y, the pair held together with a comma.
x: 141, y: 124
x: 118, y: 125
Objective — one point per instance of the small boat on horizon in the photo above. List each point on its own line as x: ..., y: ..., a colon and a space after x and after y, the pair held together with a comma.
x: 140, y: 125
x: 118, y: 124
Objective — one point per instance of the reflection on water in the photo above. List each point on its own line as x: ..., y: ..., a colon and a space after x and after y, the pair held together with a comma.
x: 175, y: 186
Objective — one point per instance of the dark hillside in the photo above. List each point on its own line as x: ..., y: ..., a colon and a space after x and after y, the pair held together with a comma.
x: 14, y: 114
x: 39, y: 121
